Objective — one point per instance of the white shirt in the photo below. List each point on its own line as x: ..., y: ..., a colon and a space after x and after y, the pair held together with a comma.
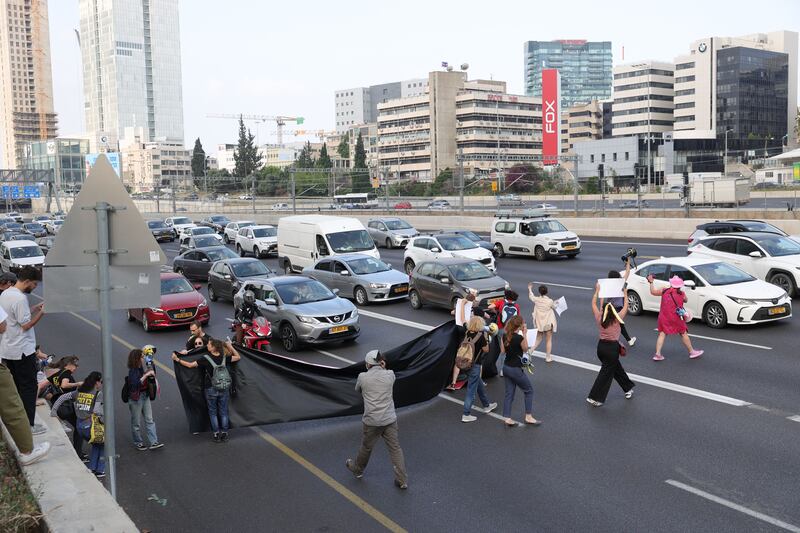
x: 16, y: 342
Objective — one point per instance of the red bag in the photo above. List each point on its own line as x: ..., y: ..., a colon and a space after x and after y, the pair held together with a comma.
x: 622, y: 350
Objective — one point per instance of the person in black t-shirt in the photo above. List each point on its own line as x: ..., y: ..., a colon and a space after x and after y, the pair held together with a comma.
x: 515, y: 344
x: 63, y: 380
x: 198, y: 339
x: 480, y: 340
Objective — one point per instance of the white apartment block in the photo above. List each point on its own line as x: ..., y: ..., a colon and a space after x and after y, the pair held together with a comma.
x: 224, y: 157
x: 643, y: 98
x: 26, y: 84
x: 359, y: 105
x: 582, y: 122
x: 148, y: 165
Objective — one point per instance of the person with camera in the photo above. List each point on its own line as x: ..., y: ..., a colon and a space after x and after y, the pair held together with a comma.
x: 515, y: 344
x: 544, y: 318
x: 672, y: 316
x: 618, y: 302
x: 139, y: 375
x: 476, y: 341
x: 609, y: 324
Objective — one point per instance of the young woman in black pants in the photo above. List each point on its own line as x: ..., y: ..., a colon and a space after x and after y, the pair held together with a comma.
x: 609, y: 324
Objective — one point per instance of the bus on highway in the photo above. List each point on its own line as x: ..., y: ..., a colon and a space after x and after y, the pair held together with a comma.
x: 355, y: 200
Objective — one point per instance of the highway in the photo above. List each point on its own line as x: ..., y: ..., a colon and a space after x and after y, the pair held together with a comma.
x: 704, y: 445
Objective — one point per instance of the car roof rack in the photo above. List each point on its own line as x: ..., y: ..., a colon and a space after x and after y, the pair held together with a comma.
x: 526, y: 214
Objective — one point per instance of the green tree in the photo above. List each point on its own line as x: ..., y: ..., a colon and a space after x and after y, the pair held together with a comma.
x: 304, y: 159
x: 592, y: 186
x: 443, y: 184
x: 246, y: 156
x: 324, y: 160
x: 344, y: 148
x: 361, y: 181
x: 198, y: 159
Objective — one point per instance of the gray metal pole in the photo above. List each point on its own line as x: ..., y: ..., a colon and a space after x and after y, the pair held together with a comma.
x: 104, y: 295
x: 172, y: 186
x: 253, y: 195
x: 385, y: 175
x: 461, y: 180
x: 294, y: 197
x: 575, y: 188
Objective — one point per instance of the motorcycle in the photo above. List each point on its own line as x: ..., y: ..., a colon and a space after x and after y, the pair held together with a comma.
x: 256, y: 333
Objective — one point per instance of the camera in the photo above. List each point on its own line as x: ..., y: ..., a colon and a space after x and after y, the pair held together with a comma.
x: 491, y: 329
x: 631, y: 253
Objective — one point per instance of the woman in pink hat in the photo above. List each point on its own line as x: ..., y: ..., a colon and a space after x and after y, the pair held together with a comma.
x: 672, y: 316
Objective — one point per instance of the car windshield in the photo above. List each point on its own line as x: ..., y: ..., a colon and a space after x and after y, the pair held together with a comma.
x: 220, y: 254
x: 453, y: 243
x: 470, y: 271
x: 175, y: 286
x: 249, y: 269
x: 245, y: 224
x: 397, y: 224
x: 265, y: 232
x: 26, y: 251
x: 156, y: 224
x: 547, y: 226
x: 33, y: 226
x: 203, y: 231
x: 13, y: 225
x: 60, y: 222
x: 471, y: 235
x: 367, y: 265
x: 778, y: 246
x: 722, y: 274
x: 219, y: 218
x: 204, y: 241
x: 350, y: 241
x: 20, y: 237
x: 757, y: 225
x: 304, y: 292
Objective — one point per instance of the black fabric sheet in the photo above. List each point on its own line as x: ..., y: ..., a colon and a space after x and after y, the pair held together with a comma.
x: 270, y: 388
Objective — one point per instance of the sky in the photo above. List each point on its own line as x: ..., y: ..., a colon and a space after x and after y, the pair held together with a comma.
x: 288, y: 58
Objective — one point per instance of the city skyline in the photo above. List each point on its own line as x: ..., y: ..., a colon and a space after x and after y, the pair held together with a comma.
x: 218, y: 78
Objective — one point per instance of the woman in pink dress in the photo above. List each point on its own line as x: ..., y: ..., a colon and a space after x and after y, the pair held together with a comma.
x: 671, y: 316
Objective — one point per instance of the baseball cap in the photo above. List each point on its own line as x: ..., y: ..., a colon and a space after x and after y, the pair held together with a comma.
x: 8, y: 277
x: 372, y: 357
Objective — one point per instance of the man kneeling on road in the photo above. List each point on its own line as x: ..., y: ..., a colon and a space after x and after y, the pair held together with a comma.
x: 379, y: 418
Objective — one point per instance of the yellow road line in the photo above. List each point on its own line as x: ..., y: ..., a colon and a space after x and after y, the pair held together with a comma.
x: 355, y: 499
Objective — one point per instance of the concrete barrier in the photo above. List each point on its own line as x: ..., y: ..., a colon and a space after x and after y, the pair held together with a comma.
x: 70, y: 497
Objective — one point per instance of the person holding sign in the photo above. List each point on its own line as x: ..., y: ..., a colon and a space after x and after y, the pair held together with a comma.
x: 609, y: 323
x: 617, y: 302
x: 544, y: 318
x: 672, y: 316
x: 514, y: 345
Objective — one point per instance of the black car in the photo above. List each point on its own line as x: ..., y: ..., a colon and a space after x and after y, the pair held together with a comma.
x: 35, y: 229
x: 196, y: 263
x: 45, y: 243
x: 225, y: 277
x: 732, y: 226
x: 160, y: 231
x: 216, y: 222
x: 200, y: 241
x: 471, y: 235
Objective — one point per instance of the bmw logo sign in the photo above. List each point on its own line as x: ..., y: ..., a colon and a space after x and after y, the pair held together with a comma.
x: 702, y: 47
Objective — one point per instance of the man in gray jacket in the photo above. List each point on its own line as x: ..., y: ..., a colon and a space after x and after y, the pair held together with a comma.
x: 379, y: 418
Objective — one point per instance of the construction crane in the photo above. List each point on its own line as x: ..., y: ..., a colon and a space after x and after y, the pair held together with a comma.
x: 280, y: 121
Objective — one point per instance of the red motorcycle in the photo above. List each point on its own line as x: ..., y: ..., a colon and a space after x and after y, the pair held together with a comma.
x: 256, y: 334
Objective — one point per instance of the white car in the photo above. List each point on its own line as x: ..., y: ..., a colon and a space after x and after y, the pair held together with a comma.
x: 17, y: 254
x: 545, y: 207
x: 196, y: 231
x: 767, y: 256
x: 178, y: 224
x: 718, y: 293
x: 257, y: 240
x: 539, y: 236
x: 232, y: 230
x: 280, y: 207
x: 429, y: 247
x: 53, y: 226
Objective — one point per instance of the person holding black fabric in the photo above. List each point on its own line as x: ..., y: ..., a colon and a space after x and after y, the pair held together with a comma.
x: 480, y: 343
x: 515, y: 344
x: 196, y: 329
x: 245, y: 314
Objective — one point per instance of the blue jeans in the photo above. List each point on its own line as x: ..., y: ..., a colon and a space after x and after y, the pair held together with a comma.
x: 475, y: 384
x: 142, y: 408
x: 96, y: 463
x: 515, y: 377
x: 218, y: 406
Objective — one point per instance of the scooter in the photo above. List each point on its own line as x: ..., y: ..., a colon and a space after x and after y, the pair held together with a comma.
x: 256, y: 334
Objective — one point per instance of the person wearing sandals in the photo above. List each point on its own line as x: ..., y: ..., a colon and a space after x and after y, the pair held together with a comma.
x: 609, y: 323
x: 544, y: 318
x: 480, y: 342
x: 671, y: 316
x: 514, y: 345
x: 139, y: 402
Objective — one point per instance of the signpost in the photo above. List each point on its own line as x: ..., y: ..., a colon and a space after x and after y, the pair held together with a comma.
x: 104, y: 258
x: 551, y: 115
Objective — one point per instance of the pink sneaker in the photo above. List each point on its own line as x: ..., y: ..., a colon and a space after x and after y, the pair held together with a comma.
x: 694, y: 354
x: 658, y: 357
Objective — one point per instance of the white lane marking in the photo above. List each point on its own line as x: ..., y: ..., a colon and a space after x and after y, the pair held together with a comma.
x: 396, y: 320
x: 562, y: 285
x: 636, y: 243
x: 795, y: 418
x: 735, y: 506
x: 475, y: 408
x: 758, y: 346
x: 334, y: 356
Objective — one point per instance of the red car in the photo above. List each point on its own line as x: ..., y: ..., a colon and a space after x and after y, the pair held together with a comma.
x: 402, y: 205
x: 180, y: 304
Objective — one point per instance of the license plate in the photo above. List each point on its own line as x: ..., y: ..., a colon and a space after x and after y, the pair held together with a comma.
x: 401, y: 289
x: 570, y: 247
x: 776, y: 310
x: 338, y: 329
x: 187, y: 314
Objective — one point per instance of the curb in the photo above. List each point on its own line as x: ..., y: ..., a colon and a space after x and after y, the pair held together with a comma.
x: 71, y: 499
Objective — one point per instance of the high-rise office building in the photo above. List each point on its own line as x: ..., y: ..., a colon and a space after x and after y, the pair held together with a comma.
x: 26, y: 84
x: 643, y: 95
x: 585, y: 68
x: 131, y: 69
x: 360, y: 105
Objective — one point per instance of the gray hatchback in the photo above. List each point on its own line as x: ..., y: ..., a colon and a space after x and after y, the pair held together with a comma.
x: 361, y: 277
x: 390, y: 231
x: 442, y: 281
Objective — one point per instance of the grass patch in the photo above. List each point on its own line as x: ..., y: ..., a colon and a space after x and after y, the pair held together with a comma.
x: 19, y: 512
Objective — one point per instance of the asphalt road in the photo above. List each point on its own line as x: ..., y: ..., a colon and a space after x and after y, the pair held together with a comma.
x: 705, y: 445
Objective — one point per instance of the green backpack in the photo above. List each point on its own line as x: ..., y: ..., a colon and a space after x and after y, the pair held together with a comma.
x: 221, y: 377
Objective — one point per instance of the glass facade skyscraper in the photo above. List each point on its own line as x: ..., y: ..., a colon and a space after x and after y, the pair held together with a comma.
x: 585, y: 69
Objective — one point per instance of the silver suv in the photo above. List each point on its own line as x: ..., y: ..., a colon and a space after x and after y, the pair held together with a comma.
x: 390, y: 231
x: 302, y: 310
x: 441, y: 282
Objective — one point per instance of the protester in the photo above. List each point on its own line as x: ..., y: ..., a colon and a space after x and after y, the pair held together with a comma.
x: 44, y: 385
x: 139, y: 402
x: 216, y: 383
x: 63, y: 380
x: 245, y: 314
x: 671, y: 316
x: 544, y: 318
x: 18, y: 345
x: 514, y: 345
x: 379, y: 420
x: 88, y: 411
x: 63, y: 408
x: 618, y: 303
x: 13, y: 415
x: 506, y: 310
x: 609, y: 324
x: 479, y: 341
x: 7, y: 280
x: 198, y: 338
x: 462, y: 302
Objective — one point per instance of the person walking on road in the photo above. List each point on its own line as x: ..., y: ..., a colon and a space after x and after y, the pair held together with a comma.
x: 506, y: 310
x: 139, y: 402
x: 544, y: 318
x: 515, y: 344
x: 479, y: 341
x: 672, y: 316
x: 609, y: 323
x: 379, y: 420
x: 89, y: 410
x: 18, y: 345
x: 618, y: 303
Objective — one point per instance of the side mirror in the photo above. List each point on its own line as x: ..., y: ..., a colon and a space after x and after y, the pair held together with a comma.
x: 227, y: 277
x: 445, y: 280
x: 270, y: 301
x: 756, y: 254
x: 389, y: 265
x: 435, y: 250
x: 197, y: 286
x: 335, y: 291
x: 689, y: 283
x: 344, y: 273
x: 205, y: 259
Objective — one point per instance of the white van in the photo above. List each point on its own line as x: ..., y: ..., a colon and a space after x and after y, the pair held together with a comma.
x: 304, y: 239
x: 17, y: 254
x: 538, y: 235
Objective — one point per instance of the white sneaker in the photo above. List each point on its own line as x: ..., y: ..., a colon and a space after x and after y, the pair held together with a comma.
x: 632, y: 341
x: 629, y: 394
x: 491, y: 407
x: 38, y: 452
x: 468, y: 418
x: 38, y: 429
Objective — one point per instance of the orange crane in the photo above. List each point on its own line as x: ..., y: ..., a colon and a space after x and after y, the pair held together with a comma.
x: 280, y: 120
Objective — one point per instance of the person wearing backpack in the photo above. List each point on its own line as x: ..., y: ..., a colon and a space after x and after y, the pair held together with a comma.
x: 470, y: 358
x: 139, y: 402
x: 216, y: 375
x: 506, y: 310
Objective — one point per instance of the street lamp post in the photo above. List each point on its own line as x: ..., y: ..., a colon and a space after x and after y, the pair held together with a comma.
x: 725, y: 160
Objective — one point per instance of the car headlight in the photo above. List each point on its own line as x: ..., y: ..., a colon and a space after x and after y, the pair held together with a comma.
x: 156, y: 310
x: 378, y: 285
x: 204, y: 303
x: 355, y: 313
x: 508, y: 285
x: 307, y: 319
x: 743, y: 301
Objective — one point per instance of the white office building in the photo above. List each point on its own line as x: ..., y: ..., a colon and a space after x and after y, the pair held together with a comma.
x: 131, y: 59
x: 360, y: 105
x: 643, y: 98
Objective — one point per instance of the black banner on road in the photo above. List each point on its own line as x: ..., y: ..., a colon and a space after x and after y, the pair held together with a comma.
x: 270, y: 388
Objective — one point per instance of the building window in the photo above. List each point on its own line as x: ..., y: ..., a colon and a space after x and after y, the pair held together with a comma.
x: 602, y: 158
x: 627, y: 156
x: 614, y: 156
x: 684, y: 66
x: 684, y: 79
x: 591, y: 158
